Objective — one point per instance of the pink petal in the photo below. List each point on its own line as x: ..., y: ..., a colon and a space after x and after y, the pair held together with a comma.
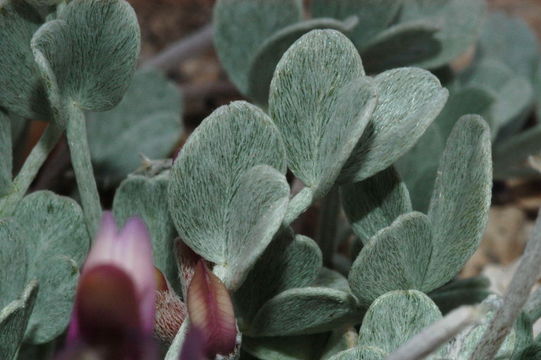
x: 135, y: 254
x: 130, y: 250
x: 102, y: 250
x: 211, y: 310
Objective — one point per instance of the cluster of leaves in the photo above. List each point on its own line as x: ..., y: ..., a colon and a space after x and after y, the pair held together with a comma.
x: 251, y: 36
x: 343, y: 134
x: 501, y: 84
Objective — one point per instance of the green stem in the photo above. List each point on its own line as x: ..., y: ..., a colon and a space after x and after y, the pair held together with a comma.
x: 82, y: 166
x: 328, y: 218
x: 30, y: 169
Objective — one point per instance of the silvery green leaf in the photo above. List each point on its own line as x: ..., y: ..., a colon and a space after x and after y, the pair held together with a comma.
x: 514, y: 93
x: 462, y: 346
x: 307, y: 310
x: 331, y: 279
x: 14, y: 319
x: 409, y: 99
x: 461, y: 292
x: 321, y: 103
x: 288, y: 262
x: 6, y: 156
x: 361, y: 353
x: 459, y: 207
x: 22, y: 90
x: 395, y: 317
x: 396, y: 258
x: 373, y: 204
x: 88, y: 55
x: 306, y: 347
x: 147, y: 121
x: 374, y: 15
x: 257, y: 210
x: 147, y: 198
x: 459, y: 22
x: 464, y: 101
x: 401, y: 45
x: 14, y: 259
x: 271, y: 51
x: 418, y: 170
x: 510, y: 40
x: 237, y: 45
x: 208, y: 171
x: 57, y: 243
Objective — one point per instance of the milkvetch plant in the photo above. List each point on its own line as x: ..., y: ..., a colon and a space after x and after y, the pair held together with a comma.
x: 199, y: 258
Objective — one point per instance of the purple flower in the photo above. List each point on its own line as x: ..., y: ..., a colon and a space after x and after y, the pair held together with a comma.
x: 114, y: 309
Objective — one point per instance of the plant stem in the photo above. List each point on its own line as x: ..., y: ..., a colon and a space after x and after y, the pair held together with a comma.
x: 437, y: 334
x: 30, y: 168
x: 82, y: 166
x: 328, y: 217
x: 524, y: 278
x: 186, y: 48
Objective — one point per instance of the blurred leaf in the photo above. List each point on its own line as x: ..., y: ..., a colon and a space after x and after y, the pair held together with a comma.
x: 22, y: 89
x: 459, y: 207
x: 510, y: 40
x: 308, y: 310
x: 513, y: 93
x: 396, y: 317
x: 461, y: 292
x: 147, y: 198
x: 286, y: 263
x: 373, y: 204
x: 409, y: 99
x: 14, y: 320
x: 321, y: 103
x: 510, y: 156
x: 465, y: 101
x: 57, y: 243
x: 396, y: 258
x: 374, y: 15
x: 88, y: 55
x: 209, y: 172
x: 402, y: 45
x: 286, y: 348
x: 271, y: 51
x: 147, y: 121
x: 459, y: 23
x: 237, y: 45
